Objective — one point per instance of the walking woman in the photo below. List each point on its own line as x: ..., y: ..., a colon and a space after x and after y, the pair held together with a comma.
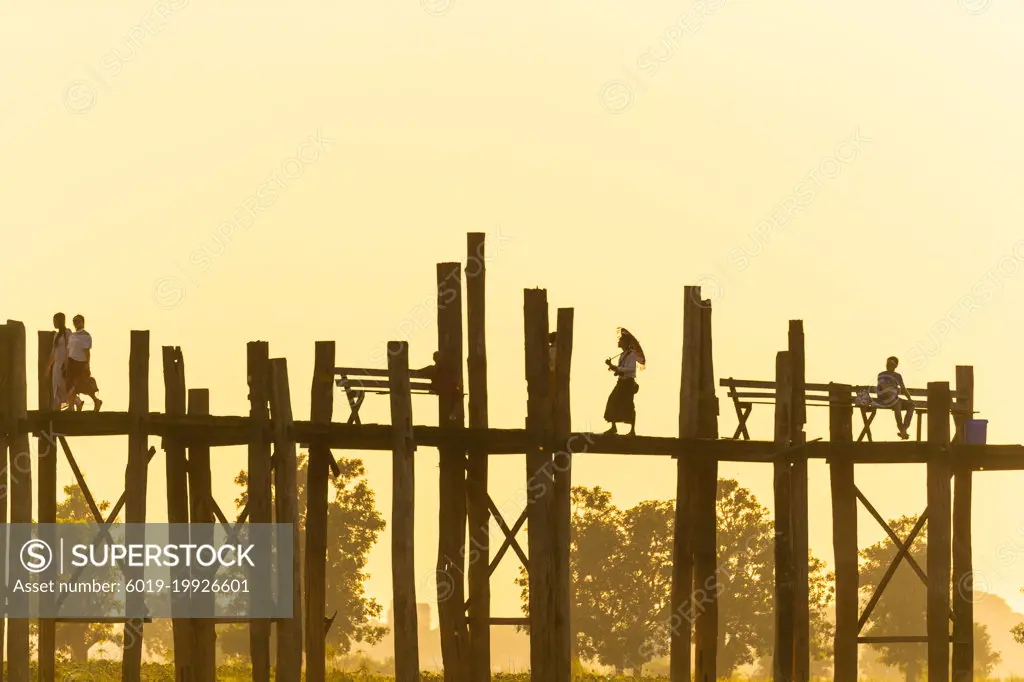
x: 56, y: 367
x: 620, y: 406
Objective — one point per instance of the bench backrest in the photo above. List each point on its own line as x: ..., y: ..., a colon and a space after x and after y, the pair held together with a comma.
x: 362, y: 379
x: 812, y: 392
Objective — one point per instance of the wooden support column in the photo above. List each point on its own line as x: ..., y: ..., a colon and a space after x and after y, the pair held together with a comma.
x: 785, y: 570
x: 317, y: 473
x: 175, y: 403
x: 801, y: 589
x: 938, y: 568
x: 540, y: 484
x: 136, y: 478
x: 476, y: 472
x: 289, y: 630
x: 47, y: 449
x: 451, y: 551
x: 963, y: 571
x: 705, y: 530
x: 200, y: 488
x: 258, y: 371
x: 6, y: 423
x: 403, y: 514
x: 21, y: 500
x: 844, y: 532
x: 562, y: 509
x: 681, y: 620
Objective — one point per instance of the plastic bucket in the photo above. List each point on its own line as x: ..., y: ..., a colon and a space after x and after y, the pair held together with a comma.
x: 977, y: 431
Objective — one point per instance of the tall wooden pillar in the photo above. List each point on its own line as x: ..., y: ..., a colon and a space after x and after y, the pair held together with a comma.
x: 6, y: 423
x: 938, y: 569
x: 175, y: 404
x: 963, y: 588
x: 289, y: 630
x: 785, y: 569
x: 801, y: 596
x: 20, y: 498
x: 476, y: 471
x: 681, y: 619
x: 705, y: 531
x: 47, y: 448
x: 540, y: 486
x: 844, y: 531
x: 403, y: 508
x: 562, y: 508
x: 451, y: 551
x: 258, y: 374
x: 200, y: 488
x: 317, y: 472
x: 136, y: 478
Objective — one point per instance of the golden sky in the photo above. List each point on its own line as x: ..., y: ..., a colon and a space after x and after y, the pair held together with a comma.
x: 851, y: 166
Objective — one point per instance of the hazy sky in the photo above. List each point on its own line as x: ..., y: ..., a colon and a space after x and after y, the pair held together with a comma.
x: 621, y: 150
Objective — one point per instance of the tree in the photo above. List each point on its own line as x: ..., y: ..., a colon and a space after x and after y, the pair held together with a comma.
x: 353, y: 527
x: 902, y: 608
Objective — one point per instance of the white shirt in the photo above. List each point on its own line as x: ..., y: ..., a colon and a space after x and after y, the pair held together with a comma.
x: 79, y: 343
x: 627, y: 365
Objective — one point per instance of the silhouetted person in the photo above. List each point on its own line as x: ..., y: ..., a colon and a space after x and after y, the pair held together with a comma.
x: 431, y: 371
x: 620, y: 407
x: 79, y: 373
x: 56, y: 366
x: 890, y: 385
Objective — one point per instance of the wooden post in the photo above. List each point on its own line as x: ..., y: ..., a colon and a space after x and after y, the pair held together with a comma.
x: 289, y: 630
x: 47, y: 449
x: 705, y: 493
x: 258, y: 371
x: 540, y: 485
x: 177, y: 508
x: 403, y: 514
x: 844, y: 532
x: 938, y: 569
x: 562, y: 508
x: 963, y: 571
x: 6, y: 423
x: 801, y: 588
x: 681, y: 620
x: 21, y: 500
x: 451, y: 551
x: 200, y: 485
x: 317, y: 473
x: 476, y: 471
x: 136, y: 477
x: 785, y: 571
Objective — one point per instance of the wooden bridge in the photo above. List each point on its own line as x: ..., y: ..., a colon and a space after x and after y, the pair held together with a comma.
x: 187, y: 432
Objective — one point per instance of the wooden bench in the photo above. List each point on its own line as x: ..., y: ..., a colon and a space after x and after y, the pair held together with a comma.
x: 745, y: 394
x: 357, y: 382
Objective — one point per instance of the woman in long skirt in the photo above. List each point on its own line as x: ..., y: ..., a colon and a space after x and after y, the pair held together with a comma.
x: 620, y: 407
x: 56, y: 366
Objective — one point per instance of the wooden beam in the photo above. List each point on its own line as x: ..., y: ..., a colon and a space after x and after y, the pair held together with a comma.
x: 844, y: 535
x: 258, y: 491
x: 785, y: 571
x: 562, y: 589
x: 451, y: 550
x: 476, y: 469
x: 403, y: 515
x: 136, y: 479
x: 540, y: 483
x: 939, y: 545
x: 21, y: 502
x: 286, y: 491
x: 175, y: 404
x: 317, y: 490
x: 47, y: 449
x: 801, y: 588
x: 705, y: 494
x: 200, y: 489
x: 6, y: 426
x: 963, y: 570
x: 681, y: 620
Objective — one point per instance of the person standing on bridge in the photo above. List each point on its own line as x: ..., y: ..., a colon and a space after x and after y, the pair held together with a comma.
x: 79, y: 372
x: 620, y: 407
x: 890, y: 385
x: 56, y: 367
